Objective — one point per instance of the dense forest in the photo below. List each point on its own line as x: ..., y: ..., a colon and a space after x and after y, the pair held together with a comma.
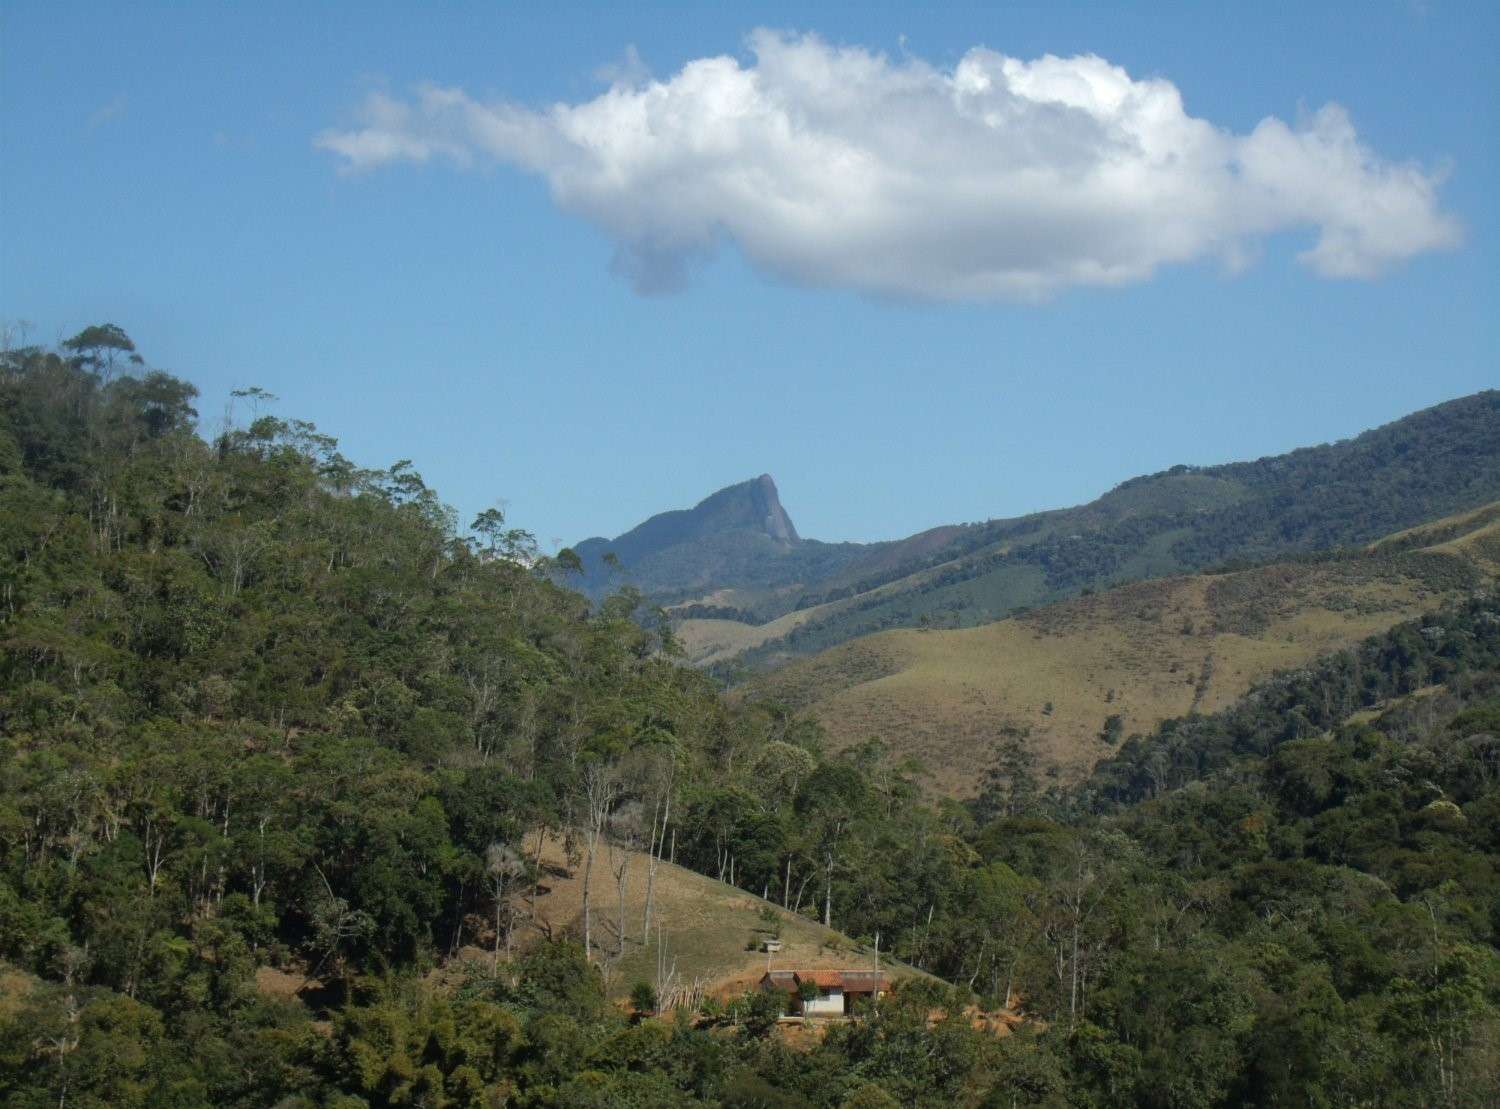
x: 260, y: 707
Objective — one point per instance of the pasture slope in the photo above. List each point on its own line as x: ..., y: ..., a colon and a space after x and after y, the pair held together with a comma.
x: 711, y: 930
x: 1144, y: 652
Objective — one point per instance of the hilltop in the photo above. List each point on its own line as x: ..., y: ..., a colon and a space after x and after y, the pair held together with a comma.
x: 1073, y: 678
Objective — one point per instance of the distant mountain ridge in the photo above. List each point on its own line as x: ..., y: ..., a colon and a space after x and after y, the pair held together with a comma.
x: 745, y: 596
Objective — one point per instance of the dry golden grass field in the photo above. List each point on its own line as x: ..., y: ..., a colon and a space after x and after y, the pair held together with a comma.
x: 711, y: 930
x: 1146, y: 651
x: 710, y: 641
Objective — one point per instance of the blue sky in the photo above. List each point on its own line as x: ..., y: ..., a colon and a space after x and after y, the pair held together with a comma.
x: 203, y: 175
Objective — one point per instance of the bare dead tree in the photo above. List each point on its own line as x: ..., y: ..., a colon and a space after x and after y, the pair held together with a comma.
x: 665, y: 783
x: 601, y: 789
x: 504, y: 869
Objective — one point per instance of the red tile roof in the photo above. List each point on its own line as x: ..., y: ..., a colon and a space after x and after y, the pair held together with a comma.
x: 823, y: 979
x: 849, y: 981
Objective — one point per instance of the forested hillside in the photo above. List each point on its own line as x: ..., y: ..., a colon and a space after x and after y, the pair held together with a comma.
x: 267, y: 714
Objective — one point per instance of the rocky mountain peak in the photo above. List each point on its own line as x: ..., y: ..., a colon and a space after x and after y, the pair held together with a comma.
x: 737, y: 514
x: 775, y: 521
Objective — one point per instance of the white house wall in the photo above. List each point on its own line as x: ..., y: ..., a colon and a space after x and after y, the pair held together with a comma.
x: 830, y: 1004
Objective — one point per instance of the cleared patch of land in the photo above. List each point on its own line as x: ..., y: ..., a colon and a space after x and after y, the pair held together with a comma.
x: 711, y: 930
x: 710, y: 641
x: 1143, y: 652
x: 1461, y: 529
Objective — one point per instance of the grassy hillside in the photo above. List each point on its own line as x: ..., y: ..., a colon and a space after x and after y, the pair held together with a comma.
x: 1434, y: 463
x: 709, y: 640
x: 1143, y: 652
x: 711, y: 930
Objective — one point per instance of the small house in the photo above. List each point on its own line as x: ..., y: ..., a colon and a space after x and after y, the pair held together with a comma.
x: 824, y: 993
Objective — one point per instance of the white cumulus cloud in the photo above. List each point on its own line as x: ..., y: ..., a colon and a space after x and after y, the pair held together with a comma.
x: 998, y: 178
